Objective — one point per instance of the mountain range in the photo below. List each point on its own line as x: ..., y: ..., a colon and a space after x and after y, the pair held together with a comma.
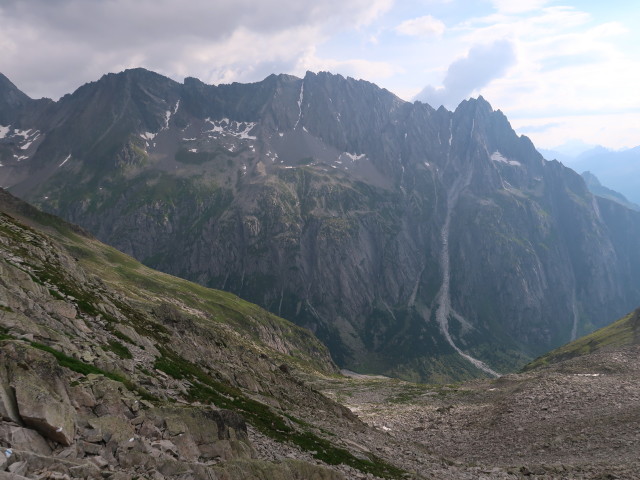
x: 420, y: 243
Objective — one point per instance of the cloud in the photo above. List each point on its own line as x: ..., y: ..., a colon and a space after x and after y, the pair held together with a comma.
x: 569, y: 61
x: 421, y: 27
x: 482, y: 64
x: 519, y: 6
x: 538, y: 128
x: 50, y: 47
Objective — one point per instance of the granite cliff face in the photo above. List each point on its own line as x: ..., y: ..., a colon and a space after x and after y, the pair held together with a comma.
x: 414, y: 242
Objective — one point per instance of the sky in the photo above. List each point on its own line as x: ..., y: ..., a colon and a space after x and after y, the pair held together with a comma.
x: 561, y: 71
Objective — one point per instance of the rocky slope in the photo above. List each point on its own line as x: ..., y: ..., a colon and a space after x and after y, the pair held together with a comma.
x: 414, y: 242
x: 111, y: 370
x: 569, y: 416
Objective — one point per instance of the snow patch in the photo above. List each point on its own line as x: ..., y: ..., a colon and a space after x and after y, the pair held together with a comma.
x: 354, y: 157
x: 22, y: 133
x: 28, y: 136
x: 231, y: 127
x: 65, y: 160
x: 4, y: 130
x: 498, y: 157
x: 148, y: 135
x: 193, y: 150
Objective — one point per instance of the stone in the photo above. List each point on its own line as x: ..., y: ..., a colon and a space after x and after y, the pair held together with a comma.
x: 40, y: 393
x: 20, y: 438
x: 11, y: 476
x: 18, y: 468
x: 99, y: 462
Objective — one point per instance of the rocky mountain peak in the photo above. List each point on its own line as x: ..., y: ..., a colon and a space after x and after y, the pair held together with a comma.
x: 11, y: 100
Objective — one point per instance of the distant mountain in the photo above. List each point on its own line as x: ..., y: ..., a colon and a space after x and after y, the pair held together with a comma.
x: 619, y: 170
x: 414, y: 242
x: 597, y: 188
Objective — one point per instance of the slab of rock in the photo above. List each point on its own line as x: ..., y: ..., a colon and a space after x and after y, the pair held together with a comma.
x: 40, y: 392
x: 204, y: 433
x: 20, y: 438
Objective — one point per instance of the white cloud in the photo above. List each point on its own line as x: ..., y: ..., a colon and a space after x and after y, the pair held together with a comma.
x: 425, y: 26
x: 357, y: 68
x: 518, y: 6
x: 481, y: 65
x: 68, y: 42
x: 619, y: 129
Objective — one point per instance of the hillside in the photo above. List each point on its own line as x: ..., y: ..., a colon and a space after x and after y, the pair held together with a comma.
x: 112, y: 370
x: 573, y: 414
x: 621, y: 333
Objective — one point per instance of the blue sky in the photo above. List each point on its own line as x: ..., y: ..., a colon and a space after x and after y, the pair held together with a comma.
x: 560, y: 70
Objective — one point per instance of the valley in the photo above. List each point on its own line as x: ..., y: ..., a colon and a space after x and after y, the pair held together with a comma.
x: 429, y: 245
x: 150, y: 376
x: 305, y: 278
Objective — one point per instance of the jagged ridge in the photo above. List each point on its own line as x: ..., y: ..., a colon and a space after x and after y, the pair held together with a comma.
x: 324, y: 199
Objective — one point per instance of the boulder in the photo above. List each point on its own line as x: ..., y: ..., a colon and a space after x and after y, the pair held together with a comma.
x: 40, y: 392
x: 19, y: 438
x: 206, y: 434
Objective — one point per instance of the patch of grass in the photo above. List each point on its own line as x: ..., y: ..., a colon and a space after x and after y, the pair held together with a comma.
x: 79, y: 366
x: 6, y: 308
x: 206, y: 389
x: 55, y: 294
x: 119, y: 349
x: 4, y: 334
x: 76, y: 365
x: 117, y: 333
x: 622, y: 332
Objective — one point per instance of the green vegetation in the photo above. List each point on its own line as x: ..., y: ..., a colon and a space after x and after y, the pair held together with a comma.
x: 206, y: 389
x: 4, y: 334
x: 625, y: 331
x: 83, y: 368
x: 76, y: 365
x: 119, y: 349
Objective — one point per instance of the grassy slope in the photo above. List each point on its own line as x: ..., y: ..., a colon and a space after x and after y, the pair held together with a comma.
x: 625, y: 331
